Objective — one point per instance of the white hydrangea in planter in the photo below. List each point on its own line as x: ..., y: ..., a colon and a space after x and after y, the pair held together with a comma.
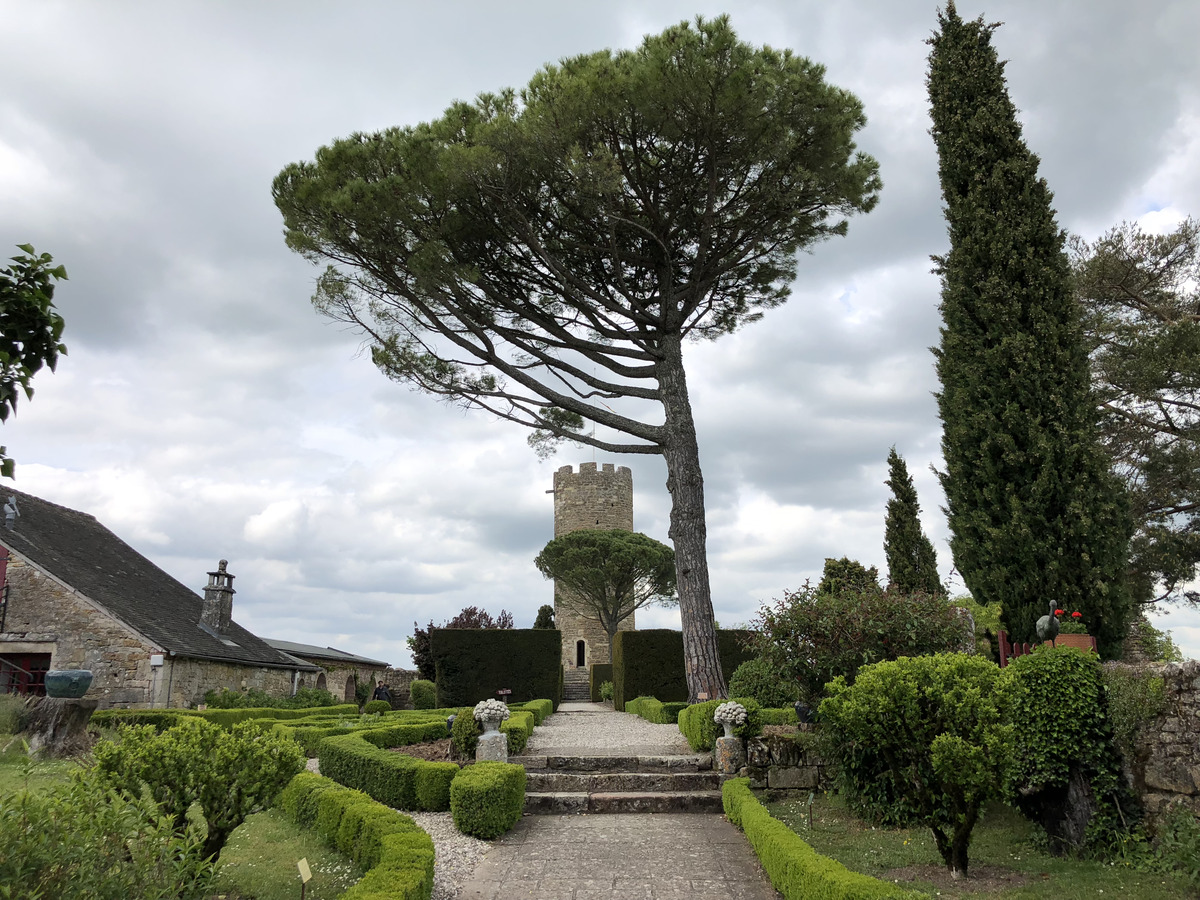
x: 489, y: 714
x: 730, y: 715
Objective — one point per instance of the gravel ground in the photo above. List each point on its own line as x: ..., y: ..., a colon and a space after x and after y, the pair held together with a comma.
x: 605, y: 733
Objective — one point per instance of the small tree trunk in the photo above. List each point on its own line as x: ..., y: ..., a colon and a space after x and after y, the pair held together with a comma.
x: 57, y: 726
x: 689, y: 533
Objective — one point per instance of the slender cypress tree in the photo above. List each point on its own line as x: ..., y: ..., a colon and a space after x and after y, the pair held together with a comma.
x: 1034, y: 513
x: 911, y: 560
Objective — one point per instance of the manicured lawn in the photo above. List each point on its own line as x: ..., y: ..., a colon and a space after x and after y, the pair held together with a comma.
x: 1004, y: 865
x: 260, y: 862
x: 17, y: 774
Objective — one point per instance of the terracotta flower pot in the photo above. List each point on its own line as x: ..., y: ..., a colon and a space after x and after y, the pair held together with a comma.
x: 1075, y: 641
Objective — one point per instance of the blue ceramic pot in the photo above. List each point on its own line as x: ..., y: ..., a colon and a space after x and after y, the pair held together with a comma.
x: 68, y: 683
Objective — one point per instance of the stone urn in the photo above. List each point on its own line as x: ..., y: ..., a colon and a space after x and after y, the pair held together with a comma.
x: 69, y: 684
x: 489, y: 714
x: 730, y: 716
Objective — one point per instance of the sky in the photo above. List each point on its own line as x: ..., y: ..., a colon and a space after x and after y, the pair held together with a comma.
x: 206, y: 412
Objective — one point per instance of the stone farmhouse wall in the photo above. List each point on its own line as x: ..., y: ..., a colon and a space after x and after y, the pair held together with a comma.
x: 1165, y: 770
x: 45, y: 616
x: 592, y: 499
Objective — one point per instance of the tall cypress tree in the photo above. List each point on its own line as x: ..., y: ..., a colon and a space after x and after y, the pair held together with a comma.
x: 911, y: 560
x: 1034, y: 513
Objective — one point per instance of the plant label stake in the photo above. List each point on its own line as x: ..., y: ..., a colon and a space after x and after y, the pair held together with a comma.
x: 305, y: 875
x: 811, y: 796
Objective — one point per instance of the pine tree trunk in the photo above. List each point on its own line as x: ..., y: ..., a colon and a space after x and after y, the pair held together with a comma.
x: 689, y: 533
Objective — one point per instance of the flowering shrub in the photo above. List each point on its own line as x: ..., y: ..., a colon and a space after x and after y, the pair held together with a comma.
x: 1070, y: 624
x: 491, y: 711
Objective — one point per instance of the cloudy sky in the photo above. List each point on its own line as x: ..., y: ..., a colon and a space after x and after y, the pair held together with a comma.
x: 205, y: 411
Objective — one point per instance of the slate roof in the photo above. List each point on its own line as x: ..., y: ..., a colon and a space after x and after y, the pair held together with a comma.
x: 312, y: 650
x: 76, y: 549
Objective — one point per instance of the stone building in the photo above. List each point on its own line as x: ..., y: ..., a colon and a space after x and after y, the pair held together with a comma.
x: 341, y: 672
x: 597, y: 500
x: 75, y: 596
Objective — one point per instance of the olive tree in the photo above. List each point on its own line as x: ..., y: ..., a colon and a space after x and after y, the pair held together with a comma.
x: 545, y: 254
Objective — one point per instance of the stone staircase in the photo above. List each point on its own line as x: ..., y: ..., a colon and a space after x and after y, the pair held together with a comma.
x: 576, y: 685
x: 621, y: 784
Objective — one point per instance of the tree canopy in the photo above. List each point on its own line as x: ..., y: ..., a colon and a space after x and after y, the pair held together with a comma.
x: 911, y: 559
x: 1034, y: 513
x: 30, y: 329
x: 470, y: 617
x: 608, y: 575
x: 543, y: 254
x: 1141, y: 315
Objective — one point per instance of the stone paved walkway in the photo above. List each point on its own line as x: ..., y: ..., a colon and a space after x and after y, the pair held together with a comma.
x: 663, y: 856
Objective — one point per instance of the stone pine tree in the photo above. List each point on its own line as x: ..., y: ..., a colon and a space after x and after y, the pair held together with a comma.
x: 1034, y: 513
x: 546, y: 254
x: 911, y: 559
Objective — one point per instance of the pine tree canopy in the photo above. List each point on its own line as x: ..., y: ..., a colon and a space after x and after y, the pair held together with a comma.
x: 911, y: 559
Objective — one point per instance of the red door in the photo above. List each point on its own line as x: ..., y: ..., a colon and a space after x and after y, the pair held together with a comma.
x: 24, y: 673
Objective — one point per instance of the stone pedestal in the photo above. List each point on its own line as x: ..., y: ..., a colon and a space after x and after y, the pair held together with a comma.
x: 729, y: 756
x: 492, y: 747
x: 57, y: 726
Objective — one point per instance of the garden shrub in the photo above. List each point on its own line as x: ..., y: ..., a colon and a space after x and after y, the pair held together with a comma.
x: 759, y: 679
x: 12, y: 713
x: 464, y: 734
x: 541, y: 709
x: 1135, y: 698
x: 377, y: 707
x: 304, y: 698
x: 423, y: 694
x: 397, y: 855
x: 599, y: 675
x: 810, y: 637
x: 518, y: 728
x: 230, y: 774
x: 785, y: 716
x: 84, y: 841
x: 358, y: 760
x: 649, y: 663
x: 652, y: 710
x: 487, y: 799
x: 925, y: 732
x: 697, y: 725
x: 1064, y: 752
x: 606, y: 691
x: 796, y: 870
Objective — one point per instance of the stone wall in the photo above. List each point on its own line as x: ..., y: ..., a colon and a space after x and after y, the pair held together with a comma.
x: 1166, y: 765
x: 784, y: 762
x: 399, y: 681
x: 592, y: 499
x: 183, y: 682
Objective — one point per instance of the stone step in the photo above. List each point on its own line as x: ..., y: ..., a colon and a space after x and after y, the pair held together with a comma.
x: 691, y: 762
x: 607, y: 783
x: 623, y: 802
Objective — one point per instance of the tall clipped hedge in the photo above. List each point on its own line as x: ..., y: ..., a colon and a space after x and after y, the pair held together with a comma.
x: 600, y: 673
x: 650, y: 663
x: 472, y: 664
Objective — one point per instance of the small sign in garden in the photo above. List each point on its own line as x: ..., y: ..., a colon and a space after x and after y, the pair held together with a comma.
x: 305, y: 875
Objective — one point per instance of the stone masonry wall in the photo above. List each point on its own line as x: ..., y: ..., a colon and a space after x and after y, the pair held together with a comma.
x: 43, y: 616
x: 183, y: 682
x: 593, y: 500
x: 1166, y: 767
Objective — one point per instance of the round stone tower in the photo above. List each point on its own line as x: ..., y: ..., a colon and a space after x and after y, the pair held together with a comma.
x: 589, y: 499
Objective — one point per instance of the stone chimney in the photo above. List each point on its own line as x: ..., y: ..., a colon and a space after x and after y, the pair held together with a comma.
x: 217, y: 608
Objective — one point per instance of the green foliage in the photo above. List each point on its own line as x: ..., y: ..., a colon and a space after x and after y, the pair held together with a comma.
x: 545, y: 616
x: 464, y: 734
x: 359, y: 760
x: 650, y: 662
x: 847, y: 574
x: 398, y: 855
x: 473, y: 665
x: 1177, y: 845
x: 697, y: 725
x: 13, y: 710
x: 487, y: 799
x: 30, y: 329
x: 1138, y: 295
x: 423, y: 694
x: 606, y: 691
x: 758, y: 678
x: 1157, y: 645
x: 304, y: 698
x: 541, y: 709
x: 599, y: 673
x: 1135, y: 699
x: 811, y: 637
x: 377, y: 707
x: 362, y: 691
x: 1055, y: 699
x: 911, y: 560
x: 230, y: 774
x: 471, y: 617
x: 796, y: 870
x: 925, y: 732
x: 85, y: 841
x: 987, y: 625
x: 607, y: 575
x: 653, y: 711
x: 1033, y: 510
